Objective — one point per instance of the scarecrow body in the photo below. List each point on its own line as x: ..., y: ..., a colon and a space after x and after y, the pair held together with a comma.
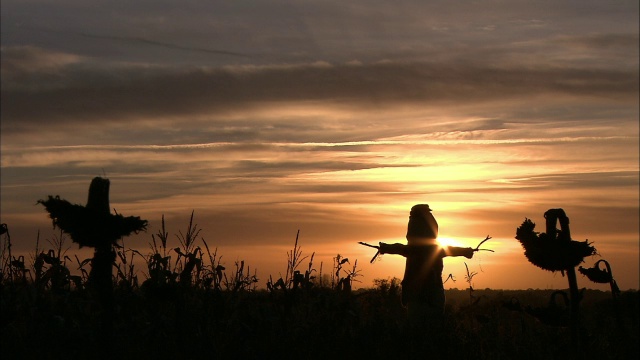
x: 422, y: 287
x: 94, y: 226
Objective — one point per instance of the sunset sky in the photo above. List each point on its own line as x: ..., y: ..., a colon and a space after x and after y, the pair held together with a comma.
x: 332, y: 118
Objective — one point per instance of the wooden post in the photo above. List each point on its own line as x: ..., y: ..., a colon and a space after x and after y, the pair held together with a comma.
x: 100, y: 282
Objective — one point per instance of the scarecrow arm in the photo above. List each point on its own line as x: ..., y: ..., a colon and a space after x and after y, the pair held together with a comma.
x: 459, y: 251
x: 397, y: 249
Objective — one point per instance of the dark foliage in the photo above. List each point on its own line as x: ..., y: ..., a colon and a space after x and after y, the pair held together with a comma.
x: 315, y: 323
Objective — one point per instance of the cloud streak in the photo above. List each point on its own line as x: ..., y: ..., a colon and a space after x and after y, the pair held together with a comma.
x: 130, y: 91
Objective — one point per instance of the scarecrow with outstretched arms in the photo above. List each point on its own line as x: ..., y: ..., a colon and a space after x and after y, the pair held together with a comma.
x: 422, y: 286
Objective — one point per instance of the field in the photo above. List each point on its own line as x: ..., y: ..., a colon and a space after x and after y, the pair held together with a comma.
x: 184, y: 305
x: 306, y: 324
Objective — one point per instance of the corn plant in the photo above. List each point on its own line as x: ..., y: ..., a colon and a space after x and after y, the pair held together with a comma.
x: 241, y: 281
x: 50, y: 267
x: 159, y: 273
x: 13, y: 268
x: 51, y: 271
x: 469, y: 279
x: 7, y: 272
x: 273, y: 286
x: 345, y: 284
x: 83, y: 278
x: 338, y: 261
x: 213, y: 274
x: 189, y: 253
x: 18, y: 270
x: 294, y: 259
x: 126, y: 276
x: 294, y: 279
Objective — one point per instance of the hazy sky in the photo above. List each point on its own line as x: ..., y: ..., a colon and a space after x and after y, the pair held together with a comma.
x: 331, y: 118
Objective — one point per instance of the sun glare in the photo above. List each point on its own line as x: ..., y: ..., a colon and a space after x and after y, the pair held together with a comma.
x: 445, y: 241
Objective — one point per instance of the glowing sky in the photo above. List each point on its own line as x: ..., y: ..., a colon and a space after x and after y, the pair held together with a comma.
x: 332, y: 118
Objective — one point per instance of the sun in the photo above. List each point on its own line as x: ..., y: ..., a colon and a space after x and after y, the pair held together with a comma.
x: 445, y: 241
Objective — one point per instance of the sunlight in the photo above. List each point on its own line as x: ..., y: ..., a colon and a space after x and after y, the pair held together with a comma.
x: 445, y: 241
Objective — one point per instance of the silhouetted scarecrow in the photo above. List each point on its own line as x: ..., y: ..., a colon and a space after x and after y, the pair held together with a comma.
x: 93, y: 225
x: 422, y: 287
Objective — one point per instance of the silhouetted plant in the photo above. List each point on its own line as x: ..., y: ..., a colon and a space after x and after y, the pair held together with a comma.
x: 126, y: 275
x: 7, y: 271
x: 308, y: 278
x: 54, y: 275
x: 274, y: 286
x: 293, y: 278
x: 18, y: 270
x: 604, y: 276
x: 388, y: 286
x: 12, y: 267
x: 190, y: 254
x: 469, y: 279
x: 213, y: 274
x: 338, y: 262
x: 346, y: 283
x: 601, y: 276
x: 294, y: 259
x: 50, y: 267
x: 305, y: 280
x: 83, y: 278
x: 241, y: 281
x: 159, y: 273
x: 556, y: 251
x: 343, y: 283
x: 552, y: 251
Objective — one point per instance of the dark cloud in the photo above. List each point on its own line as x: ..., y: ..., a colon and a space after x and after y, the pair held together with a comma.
x: 203, y: 33
x: 129, y: 93
x: 626, y: 42
x: 137, y: 42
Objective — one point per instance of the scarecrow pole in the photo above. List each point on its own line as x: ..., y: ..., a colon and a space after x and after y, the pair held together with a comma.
x: 104, y: 255
x: 93, y: 225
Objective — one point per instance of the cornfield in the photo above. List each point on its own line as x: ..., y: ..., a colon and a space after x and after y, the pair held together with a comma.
x: 185, y: 304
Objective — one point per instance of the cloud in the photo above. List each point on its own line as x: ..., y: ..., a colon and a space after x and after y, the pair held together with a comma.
x: 144, y: 41
x: 30, y: 59
x: 86, y: 95
x: 599, y: 41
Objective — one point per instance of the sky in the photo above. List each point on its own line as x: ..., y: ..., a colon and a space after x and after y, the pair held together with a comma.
x: 332, y: 119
